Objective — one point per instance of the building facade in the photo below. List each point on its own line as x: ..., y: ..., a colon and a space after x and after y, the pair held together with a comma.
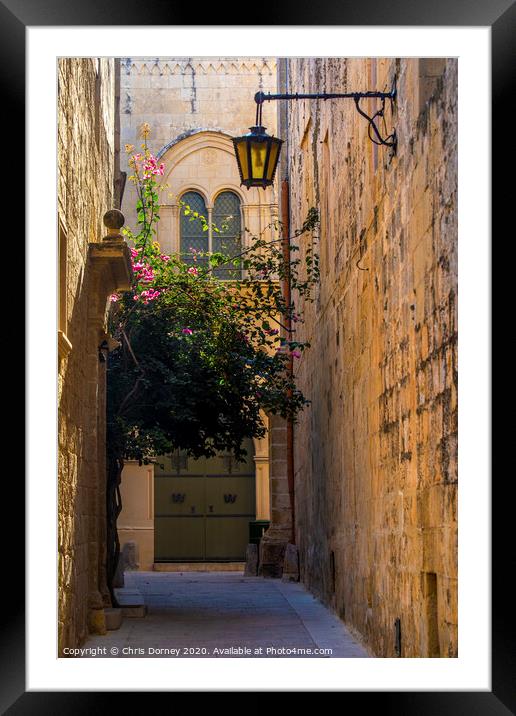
x: 194, y: 107
x: 376, y: 453
x: 90, y: 269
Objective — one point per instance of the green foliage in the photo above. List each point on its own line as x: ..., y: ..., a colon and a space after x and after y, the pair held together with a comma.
x: 200, y: 356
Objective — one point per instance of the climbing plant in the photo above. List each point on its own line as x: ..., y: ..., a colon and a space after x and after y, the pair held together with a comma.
x: 199, y: 356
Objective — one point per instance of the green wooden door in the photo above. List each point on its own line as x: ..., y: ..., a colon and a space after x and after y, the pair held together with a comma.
x: 203, y: 507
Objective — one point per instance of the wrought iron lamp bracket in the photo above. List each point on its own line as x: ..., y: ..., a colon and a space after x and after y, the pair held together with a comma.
x: 389, y: 140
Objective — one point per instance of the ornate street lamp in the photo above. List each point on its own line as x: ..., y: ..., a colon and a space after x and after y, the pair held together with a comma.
x: 257, y: 156
x: 257, y: 153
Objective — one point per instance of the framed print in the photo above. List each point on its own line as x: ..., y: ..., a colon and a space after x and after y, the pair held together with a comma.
x: 287, y: 482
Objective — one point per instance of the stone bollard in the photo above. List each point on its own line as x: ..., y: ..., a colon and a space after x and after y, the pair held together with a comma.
x: 97, y: 621
x: 96, y: 616
x: 251, y: 561
x: 272, y: 555
x: 113, y: 617
x: 130, y: 557
x: 291, y: 564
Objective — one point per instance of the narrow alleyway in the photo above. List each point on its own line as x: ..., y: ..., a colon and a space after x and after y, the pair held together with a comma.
x: 205, y: 614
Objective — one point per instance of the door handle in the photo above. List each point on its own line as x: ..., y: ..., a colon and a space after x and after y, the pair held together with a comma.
x: 230, y: 498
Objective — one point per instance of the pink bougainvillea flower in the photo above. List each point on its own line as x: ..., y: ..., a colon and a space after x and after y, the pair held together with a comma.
x: 295, y: 354
x: 187, y: 331
x: 150, y: 166
x: 147, y: 276
x: 149, y: 295
x: 164, y: 257
x: 114, y: 297
x: 193, y: 271
x: 143, y: 271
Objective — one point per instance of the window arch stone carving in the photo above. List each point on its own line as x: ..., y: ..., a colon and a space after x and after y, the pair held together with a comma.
x: 203, y: 161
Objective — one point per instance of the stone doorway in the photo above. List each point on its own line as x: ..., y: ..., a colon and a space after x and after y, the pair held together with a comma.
x: 139, y: 521
x: 203, y: 507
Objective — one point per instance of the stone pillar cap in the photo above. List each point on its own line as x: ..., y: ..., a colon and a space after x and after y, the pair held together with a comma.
x: 113, y: 221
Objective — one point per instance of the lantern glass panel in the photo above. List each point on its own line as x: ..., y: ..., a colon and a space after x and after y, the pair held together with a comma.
x: 242, y: 158
x: 275, y: 146
x: 258, y: 156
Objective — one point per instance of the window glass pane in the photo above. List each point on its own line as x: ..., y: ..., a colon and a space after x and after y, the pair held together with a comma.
x: 226, y: 217
x: 192, y: 235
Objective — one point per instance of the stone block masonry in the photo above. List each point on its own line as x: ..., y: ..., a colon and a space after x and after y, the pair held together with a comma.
x: 88, y: 272
x: 376, y: 454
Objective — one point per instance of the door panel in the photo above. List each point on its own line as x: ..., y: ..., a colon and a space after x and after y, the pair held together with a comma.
x: 227, y: 537
x: 180, y: 538
x: 203, y: 507
x: 230, y: 495
x: 179, y: 495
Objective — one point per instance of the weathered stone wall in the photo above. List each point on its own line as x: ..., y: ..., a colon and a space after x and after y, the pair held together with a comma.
x: 376, y: 453
x: 276, y: 538
x: 85, y: 192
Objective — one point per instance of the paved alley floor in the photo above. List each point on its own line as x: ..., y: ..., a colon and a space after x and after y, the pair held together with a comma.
x: 224, y: 614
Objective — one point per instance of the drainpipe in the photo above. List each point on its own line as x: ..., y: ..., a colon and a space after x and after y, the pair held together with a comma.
x: 285, y: 222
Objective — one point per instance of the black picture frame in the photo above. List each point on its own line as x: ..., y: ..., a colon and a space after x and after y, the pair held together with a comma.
x: 500, y: 16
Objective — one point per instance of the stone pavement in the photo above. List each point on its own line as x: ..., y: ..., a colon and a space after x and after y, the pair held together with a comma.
x: 223, y: 614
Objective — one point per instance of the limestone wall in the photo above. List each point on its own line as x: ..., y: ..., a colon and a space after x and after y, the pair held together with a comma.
x: 136, y: 521
x: 85, y: 193
x: 200, y: 98
x: 376, y: 454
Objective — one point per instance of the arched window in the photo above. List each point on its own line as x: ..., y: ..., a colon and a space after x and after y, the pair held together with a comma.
x: 226, y: 217
x: 192, y: 235
x: 223, y: 234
